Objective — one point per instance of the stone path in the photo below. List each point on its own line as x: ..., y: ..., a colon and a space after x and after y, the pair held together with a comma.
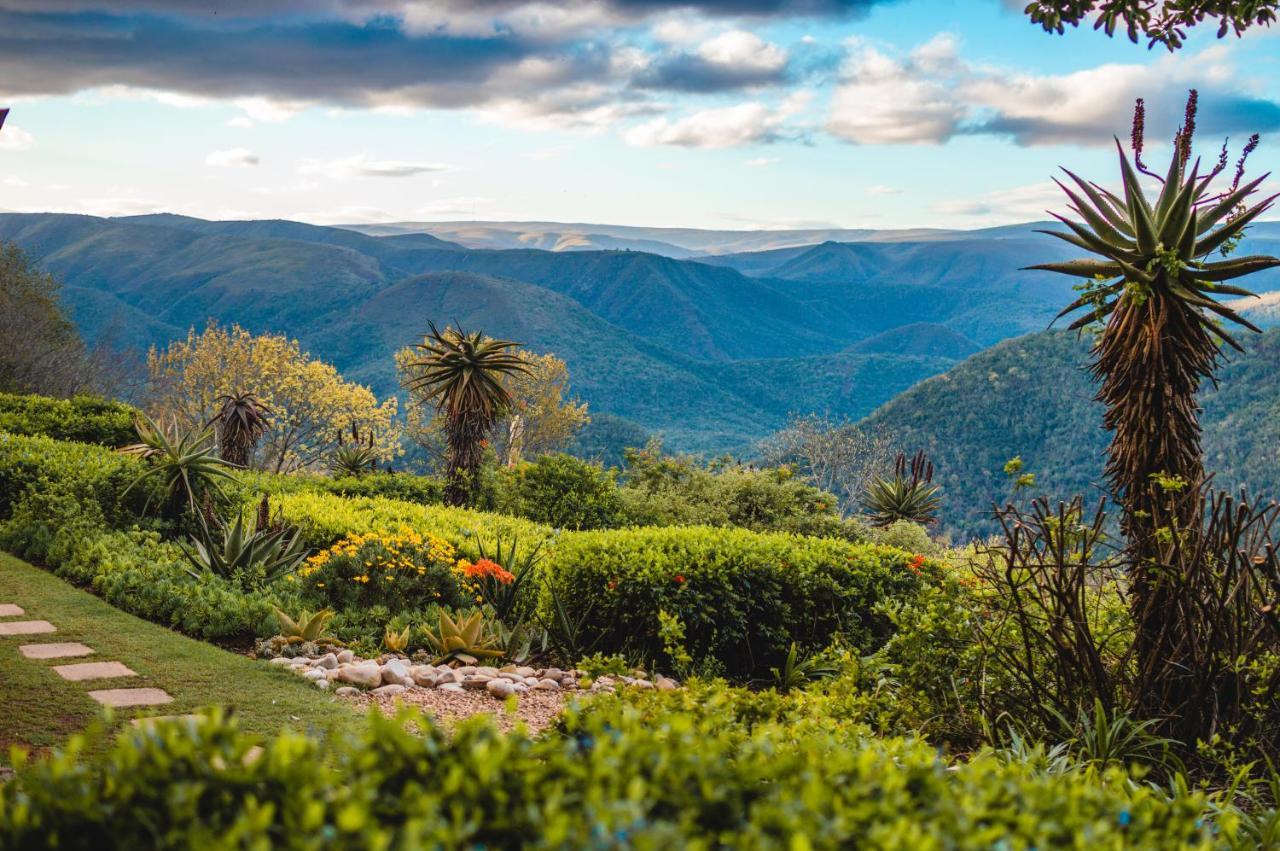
x: 78, y: 671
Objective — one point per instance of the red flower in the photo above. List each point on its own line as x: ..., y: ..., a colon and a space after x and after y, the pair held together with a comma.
x: 486, y: 568
x: 613, y: 584
x: 679, y: 578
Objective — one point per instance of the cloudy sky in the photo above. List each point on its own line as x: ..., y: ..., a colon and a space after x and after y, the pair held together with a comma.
x: 695, y: 113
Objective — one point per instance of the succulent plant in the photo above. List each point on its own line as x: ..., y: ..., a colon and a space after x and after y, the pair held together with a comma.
x: 396, y: 642
x: 911, y: 497
x: 307, y: 626
x: 468, y: 636
x: 241, y: 421
x: 253, y: 553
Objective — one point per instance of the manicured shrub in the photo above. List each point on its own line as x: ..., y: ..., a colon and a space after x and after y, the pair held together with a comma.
x: 324, y: 518
x: 666, y: 773
x: 403, y: 571
x: 85, y: 419
x: 96, y: 475
x: 742, y: 596
x: 406, y: 487
x: 563, y: 492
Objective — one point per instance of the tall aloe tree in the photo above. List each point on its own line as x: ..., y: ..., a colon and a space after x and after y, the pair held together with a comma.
x: 459, y: 373
x: 241, y: 421
x: 1155, y: 293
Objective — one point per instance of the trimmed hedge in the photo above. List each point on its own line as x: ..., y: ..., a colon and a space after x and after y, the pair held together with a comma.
x: 742, y: 596
x: 324, y: 518
x: 96, y: 475
x: 86, y: 419
x: 618, y: 776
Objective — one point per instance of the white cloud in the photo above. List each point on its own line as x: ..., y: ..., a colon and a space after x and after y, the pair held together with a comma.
x: 1015, y: 204
x: 270, y: 110
x: 359, y: 165
x: 232, y: 157
x: 883, y: 100
x: 761, y: 162
x: 933, y: 94
x: 15, y: 181
x: 883, y: 190
x: 15, y: 139
x: 744, y: 50
x: 240, y: 121
x: 721, y: 127
x: 347, y: 215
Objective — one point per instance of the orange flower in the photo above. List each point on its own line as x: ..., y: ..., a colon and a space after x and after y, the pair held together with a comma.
x: 915, y: 564
x: 679, y: 578
x: 485, y: 568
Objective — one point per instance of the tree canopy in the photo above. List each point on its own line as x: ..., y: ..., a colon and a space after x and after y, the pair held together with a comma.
x: 1163, y: 22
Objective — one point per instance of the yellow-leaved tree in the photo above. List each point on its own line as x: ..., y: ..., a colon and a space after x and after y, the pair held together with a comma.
x: 543, y: 417
x: 310, y: 406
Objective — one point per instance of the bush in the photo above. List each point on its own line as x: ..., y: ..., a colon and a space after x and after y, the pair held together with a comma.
x: 563, y: 492
x: 663, y: 774
x: 665, y: 490
x: 406, y: 487
x: 742, y: 596
x: 97, y: 476
x: 324, y: 518
x: 403, y: 571
x: 84, y: 419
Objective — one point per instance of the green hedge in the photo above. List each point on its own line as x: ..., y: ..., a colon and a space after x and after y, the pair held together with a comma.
x: 86, y: 419
x: 97, y: 475
x: 616, y: 777
x: 742, y: 596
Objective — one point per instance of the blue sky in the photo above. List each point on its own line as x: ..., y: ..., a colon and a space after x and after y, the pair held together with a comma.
x: 695, y: 113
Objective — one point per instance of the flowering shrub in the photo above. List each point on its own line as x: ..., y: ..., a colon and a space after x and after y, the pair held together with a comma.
x: 404, y: 570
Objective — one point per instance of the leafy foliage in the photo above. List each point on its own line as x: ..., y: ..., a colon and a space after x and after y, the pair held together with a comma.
x: 310, y: 402
x: 781, y: 778
x: 1163, y: 23
x: 241, y: 422
x: 467, y: 636
x: 85, y: 419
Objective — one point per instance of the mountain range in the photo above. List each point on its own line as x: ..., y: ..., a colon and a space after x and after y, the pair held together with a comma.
x: 711, y: 338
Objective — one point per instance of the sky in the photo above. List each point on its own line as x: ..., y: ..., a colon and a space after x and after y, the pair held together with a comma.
x: 727, y: 114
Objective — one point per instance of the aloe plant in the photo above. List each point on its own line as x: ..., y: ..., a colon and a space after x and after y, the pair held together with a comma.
x: 185, y: 462
x: 909, y: 495
x: 308, y: 627
x: 253, y: 553
x: 466, y: 637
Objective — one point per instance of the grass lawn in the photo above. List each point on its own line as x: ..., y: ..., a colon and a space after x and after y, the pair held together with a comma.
x: 40, y: 709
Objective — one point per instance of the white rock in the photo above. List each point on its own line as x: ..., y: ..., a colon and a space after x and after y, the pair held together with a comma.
x: 667, y: 684
x: 465, y: 669
x: 316, y: 674
x: 447, y: 676
x: 395, y: 672
x: 449, y: 687
x: 365, y: 674
x: 345, y: 656
x: 475, y: 681
x: 486, y: 671
x: 641, y: 684
x: 322, y: 684
x: 347, y: 691
x: 425, y: 677
x: 281, y: 660
x: 548, y: 685
x: 500, y: 687
x: 526, y: 671
x: 327, y: 661
x: 394, y: 688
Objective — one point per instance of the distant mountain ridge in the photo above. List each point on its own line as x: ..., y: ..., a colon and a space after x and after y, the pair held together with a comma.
x: 713, y: 352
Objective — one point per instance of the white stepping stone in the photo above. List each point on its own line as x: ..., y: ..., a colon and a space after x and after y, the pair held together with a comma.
x: 9, y: 610
x: 93, y: 671
x: 55, y: 651
x: 26, y: 627
x: 119, y: 697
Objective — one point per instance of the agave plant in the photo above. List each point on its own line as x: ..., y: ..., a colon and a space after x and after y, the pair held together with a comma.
x: 252, y: 553
x: 1155, y: 294
x: 186, y: 463
x: 460, y: 373
x: 241, y: 422
x: 307, y: 627
x: 354, y: 458
x: 396, y: 642
x: 467, y: 639
x: 909, y: 495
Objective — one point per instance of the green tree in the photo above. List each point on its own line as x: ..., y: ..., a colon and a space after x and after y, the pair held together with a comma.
x: 40, y: 349
x: 1165, y: 23
x: 461, y: 374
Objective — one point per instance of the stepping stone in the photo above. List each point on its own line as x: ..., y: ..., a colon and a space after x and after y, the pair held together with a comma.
x: 93, y: 671
x: 26, y: 627
x: 118, y: 697
x: 9, y: 610
x: 55, y: 651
